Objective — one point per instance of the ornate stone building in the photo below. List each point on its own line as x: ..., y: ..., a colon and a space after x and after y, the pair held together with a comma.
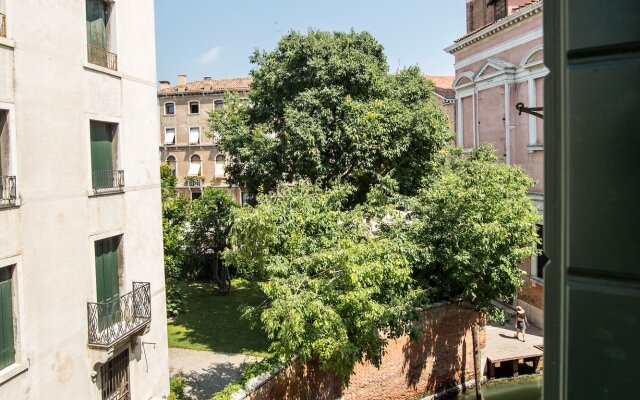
x: 499, y: 63
x: 185, y: 141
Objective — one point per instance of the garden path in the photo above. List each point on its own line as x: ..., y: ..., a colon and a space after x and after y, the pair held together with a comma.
x: 206, y: 372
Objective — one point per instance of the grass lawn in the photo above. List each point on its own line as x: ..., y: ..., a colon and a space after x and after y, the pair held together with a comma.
x: 213, y: 322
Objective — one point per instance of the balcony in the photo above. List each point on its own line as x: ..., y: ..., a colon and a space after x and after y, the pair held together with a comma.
x: 108, y: 181
x: 7, y: 190
x: 102, y: 57
x: 194, y: 182
x: 3, y: 25
x: 114, y: 321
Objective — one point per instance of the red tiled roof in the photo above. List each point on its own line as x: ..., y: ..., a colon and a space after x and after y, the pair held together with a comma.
x: 211, y: 85
x: 444, y: 85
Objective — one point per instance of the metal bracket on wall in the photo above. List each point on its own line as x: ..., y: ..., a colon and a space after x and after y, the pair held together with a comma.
x: 530, y: 110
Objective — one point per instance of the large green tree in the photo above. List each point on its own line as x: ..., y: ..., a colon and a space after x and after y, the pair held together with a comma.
x: 206, y: 232
x: 473, y: 224
x: 174, y: 212
x: 335, y: 291
x: 324, y: 107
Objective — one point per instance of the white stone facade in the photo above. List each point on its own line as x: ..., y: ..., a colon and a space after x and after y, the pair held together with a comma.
x: 49, y: 94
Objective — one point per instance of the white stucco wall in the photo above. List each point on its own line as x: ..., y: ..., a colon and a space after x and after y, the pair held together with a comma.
x: 50, y: 235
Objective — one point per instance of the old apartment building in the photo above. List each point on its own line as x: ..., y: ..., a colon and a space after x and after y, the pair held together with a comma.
x: 499, y: 64
x: 188, y: 147
x: 185, y: 141
x: 82, y: 302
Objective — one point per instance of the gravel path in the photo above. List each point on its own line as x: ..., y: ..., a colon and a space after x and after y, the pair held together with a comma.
x: 206, y: 372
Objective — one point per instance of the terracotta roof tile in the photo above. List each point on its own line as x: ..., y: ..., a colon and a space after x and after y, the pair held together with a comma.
x: 444, y: 85
x: 211, y: 85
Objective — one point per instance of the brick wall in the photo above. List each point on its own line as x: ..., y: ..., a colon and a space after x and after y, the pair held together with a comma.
x: 443, y: 357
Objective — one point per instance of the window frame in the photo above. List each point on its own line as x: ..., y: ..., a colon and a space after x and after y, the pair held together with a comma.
x: 189, y: 107
x: 20, y: 363
x: 164, y: 108
x: 175, y: 134
x: 215, y: 104
x: 175, y: 161
x: 116, y: 142
x: 199, y: 135
x: 224, y: 159
x: 13, y: 151
x: 191, y: 162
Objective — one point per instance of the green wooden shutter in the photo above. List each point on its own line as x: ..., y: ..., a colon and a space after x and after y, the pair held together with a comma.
x: 101, y: 154
x: 592, y: 218
x: 96, y: 24
x: 7, y: 346
x: 107, y: 281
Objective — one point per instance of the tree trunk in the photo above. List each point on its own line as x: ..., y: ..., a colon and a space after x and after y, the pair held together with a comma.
x: 476, y: 361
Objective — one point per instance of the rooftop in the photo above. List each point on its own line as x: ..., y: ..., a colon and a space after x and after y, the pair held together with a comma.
x: 444, y: 85
x: 209, y: 85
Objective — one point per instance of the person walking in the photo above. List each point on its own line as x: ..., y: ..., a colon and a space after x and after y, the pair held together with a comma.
x: 521, y: 323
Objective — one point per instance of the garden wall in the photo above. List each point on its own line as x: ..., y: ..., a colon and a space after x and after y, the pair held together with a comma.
x: 442, y: 358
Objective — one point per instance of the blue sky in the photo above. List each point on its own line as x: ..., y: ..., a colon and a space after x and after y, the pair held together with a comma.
x: 215, y: 37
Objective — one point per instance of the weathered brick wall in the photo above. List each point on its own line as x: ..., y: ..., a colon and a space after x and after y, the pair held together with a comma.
x: 443, y: 357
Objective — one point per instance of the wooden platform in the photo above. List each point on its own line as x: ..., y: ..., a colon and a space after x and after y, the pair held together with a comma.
x: 506, y: 355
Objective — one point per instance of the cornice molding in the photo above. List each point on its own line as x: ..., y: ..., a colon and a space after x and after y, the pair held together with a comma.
x: 500, y: 25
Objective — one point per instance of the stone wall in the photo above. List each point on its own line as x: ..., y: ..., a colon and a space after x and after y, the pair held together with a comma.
x: 442, y: 358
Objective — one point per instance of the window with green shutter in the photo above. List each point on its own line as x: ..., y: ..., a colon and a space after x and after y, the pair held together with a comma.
x: 107, y: 281
x: 7, y: 344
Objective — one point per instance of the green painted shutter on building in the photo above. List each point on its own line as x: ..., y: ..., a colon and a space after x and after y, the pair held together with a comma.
x: 7, y: 344
x: 107, y: 281
x: 592, y: 199
x: 96, y: 24
x: 101, y: 154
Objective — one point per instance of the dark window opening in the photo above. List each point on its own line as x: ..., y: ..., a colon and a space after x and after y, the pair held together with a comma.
x: 194, y: 107
x: 218, y: 104
x: 169, y: 108
x: 115, y: 378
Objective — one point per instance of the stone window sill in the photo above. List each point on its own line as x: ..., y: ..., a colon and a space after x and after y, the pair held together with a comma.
x: 535, y: 147
x: 12, y: 371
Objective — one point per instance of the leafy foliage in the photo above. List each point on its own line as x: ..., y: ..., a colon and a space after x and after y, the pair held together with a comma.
x: 473, y: 224
x: 176, y: 388
x: 324, y: 108
x: 332, y: 286
x: 174, y: 211
x: 207, y: 226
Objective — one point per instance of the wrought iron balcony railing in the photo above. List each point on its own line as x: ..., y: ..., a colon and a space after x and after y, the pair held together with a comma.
x: 108, y: 181
x: 194, y: 182
x: 102, y: 57
x: 7, y: 190
x: 115, y: 320
x: 3, y: 25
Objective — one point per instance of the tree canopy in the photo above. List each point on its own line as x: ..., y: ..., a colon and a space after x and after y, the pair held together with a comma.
x: 324, y: 107
x: 473, y: 224
x: 332, y: 286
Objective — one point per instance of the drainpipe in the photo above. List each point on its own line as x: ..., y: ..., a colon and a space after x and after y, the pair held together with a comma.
x: 507, y: 124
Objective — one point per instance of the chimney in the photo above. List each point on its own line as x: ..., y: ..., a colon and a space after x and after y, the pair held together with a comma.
x: 164, y: 85
x: 182, y: 83
x: 207, y: 78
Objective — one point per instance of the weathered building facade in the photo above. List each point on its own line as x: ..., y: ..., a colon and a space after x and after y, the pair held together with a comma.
x: 185, y: 141
x: 82, y: 297
x: 499, y: 63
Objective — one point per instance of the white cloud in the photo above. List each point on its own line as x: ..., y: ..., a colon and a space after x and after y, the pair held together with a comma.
x: 210, y: 55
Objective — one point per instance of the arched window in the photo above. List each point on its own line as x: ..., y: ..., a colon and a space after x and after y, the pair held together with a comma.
x: 221, y: 162
x: 195, y: 165
x: 171, y: 162
x: 169, y: 108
